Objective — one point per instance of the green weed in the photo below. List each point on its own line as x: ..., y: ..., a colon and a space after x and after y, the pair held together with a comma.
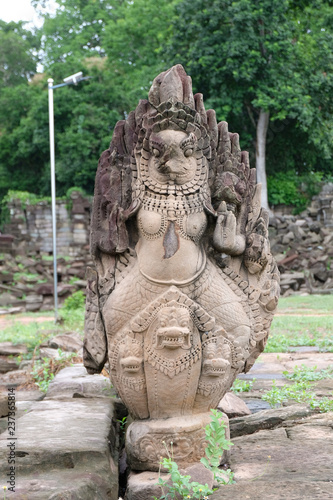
x: 292, y: 331
x: 217, y: 443
x: 308, y: 374
x: 300, y: 391
x: 44, y: 371
x: 180, y: 485
x: 242, y: 385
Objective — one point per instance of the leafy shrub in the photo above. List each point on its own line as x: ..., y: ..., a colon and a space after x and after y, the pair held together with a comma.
x: 72, y: 312
x: 288, y: 188
x: 75, y: 301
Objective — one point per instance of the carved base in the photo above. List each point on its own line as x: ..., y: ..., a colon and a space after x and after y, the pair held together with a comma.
x: 184, y: 437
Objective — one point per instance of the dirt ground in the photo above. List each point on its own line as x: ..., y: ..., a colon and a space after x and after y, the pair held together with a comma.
x: 10, y: 319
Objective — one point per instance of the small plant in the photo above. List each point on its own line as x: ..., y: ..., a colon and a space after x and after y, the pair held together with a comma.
x: 217, y: 443
x: 181, y: 485
x: 242, y: 385
x: 324, y: 405
x: 44, y: 371
x: 274, y: 396
x: 301, y: 392
x: 122, y: 423
x: 75, y: 301
x: 73, y: 280
x: 305, y: 373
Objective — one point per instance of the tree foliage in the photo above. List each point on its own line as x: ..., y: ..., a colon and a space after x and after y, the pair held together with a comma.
x: 18, y: 53
x: 244, y: 56
x: 271, y: 55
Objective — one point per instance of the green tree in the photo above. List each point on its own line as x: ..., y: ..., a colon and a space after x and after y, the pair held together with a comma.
x: 134, y: 41
x: 258, y: 62
x: 18, y: 53
x: 121, y: 47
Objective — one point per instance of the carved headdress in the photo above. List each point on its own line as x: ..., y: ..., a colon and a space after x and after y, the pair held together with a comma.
x: 170, y: 105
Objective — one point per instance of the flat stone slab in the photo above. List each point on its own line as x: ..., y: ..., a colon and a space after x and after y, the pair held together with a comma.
x: 70, y: 436
x: 267, y: 419
x: 256, y: 405
x: 292, y: 462
x: 275, y: 490
x: 10, y: 349
x: 81, y: 483
x: 74, y: 382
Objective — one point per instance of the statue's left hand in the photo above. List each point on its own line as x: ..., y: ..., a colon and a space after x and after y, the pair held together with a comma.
x: 225, y: 237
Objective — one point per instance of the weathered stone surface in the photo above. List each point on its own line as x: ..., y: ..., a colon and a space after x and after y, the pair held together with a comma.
x: 14, y: 378
x: 143, y: 485
x: 233, y: 406
x: 7, y: 364
x: 70, y: 341
x: 292, y: 462
x: 267, y: 419
x: 87, y: 482
x: 3, y: 405
x: 279, y: 489
x: 74, y: 382
x: 10, y: 349
x: 146, y: 441
x: 70, y: 437
x: 200, y: 474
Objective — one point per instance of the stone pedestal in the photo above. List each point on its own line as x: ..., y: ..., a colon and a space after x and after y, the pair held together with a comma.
x: 184, y: 438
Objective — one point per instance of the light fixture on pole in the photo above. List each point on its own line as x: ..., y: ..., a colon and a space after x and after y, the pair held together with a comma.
x: 70, y: 80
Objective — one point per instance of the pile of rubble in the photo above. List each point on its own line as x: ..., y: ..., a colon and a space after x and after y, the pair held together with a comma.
x: 303, y: 249
x: 26, y: 283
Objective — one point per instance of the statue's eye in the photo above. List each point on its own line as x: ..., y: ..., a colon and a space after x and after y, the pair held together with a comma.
x: 183, y: 323
x: 163, y: 324
x: 156, y: 152
x: 188, y: 152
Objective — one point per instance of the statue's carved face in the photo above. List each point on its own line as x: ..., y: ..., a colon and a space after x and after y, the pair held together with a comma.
x: 131, y: 357
x: 255, y: 257
x: 172, y: 157
x: 173, y: 328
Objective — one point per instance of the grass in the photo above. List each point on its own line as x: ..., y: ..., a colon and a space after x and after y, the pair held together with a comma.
x: 302, y: 321
x: 309, y: 304
x: 34, y: 333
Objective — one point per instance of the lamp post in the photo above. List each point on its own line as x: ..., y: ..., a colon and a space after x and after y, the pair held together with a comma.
x: 70, y: 80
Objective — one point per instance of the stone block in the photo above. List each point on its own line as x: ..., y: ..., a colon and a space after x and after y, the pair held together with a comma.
x: 10, y: 349
x: 74, y: 382
x: 62, y: 451
x: 146, y: 441
x: 233, y: 406
x: 70, y: 341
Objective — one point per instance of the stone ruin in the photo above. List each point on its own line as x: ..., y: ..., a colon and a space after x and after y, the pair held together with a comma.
x: 185, y: 285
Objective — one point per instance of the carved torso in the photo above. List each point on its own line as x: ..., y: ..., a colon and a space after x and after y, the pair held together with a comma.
x: 170, y: 230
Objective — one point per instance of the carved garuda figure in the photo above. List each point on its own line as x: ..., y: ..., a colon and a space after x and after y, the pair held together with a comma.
x: 185, y: 286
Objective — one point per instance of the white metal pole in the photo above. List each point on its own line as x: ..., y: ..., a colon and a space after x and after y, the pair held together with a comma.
x: 53, y: 195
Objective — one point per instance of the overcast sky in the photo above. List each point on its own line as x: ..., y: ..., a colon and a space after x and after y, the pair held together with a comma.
x: 18, y: 10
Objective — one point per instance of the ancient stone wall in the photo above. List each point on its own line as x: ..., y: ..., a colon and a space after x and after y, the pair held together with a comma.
x: 303, y: 246
x: 31, y: 227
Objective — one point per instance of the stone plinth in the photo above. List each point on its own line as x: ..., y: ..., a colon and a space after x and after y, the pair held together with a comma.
x: 184, y: 438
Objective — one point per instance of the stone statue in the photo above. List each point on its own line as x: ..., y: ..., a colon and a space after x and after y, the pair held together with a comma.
x: 185, y: 286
